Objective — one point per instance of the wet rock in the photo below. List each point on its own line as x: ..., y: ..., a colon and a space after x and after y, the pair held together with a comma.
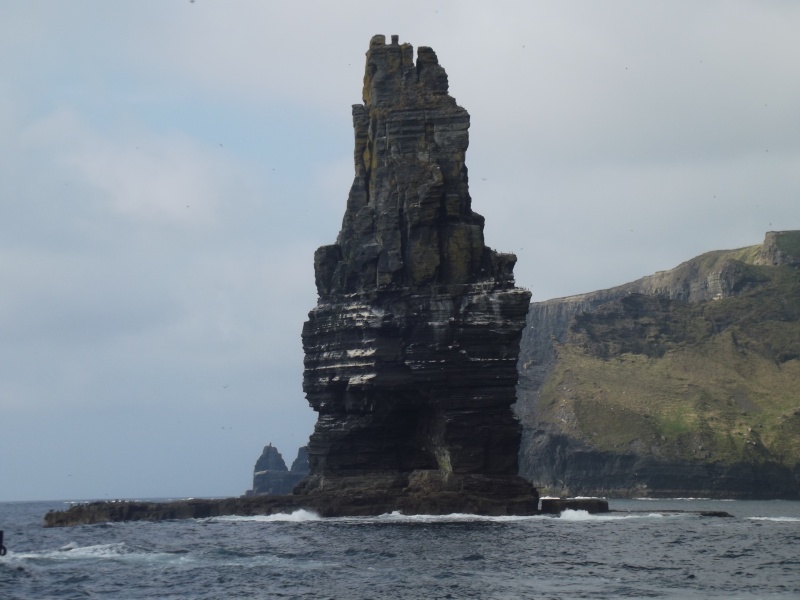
x: 554, y: 506
x: 715, y: 513
x: 113, y: 511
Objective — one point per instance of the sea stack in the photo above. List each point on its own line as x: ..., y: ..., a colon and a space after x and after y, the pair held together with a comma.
x: 411, y: 351
x: 271, y: 475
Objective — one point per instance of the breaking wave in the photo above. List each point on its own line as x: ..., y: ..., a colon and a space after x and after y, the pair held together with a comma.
x: 582, y: 515
x: 397, y: 517
x: 76, y: 552
x: 298, y: 516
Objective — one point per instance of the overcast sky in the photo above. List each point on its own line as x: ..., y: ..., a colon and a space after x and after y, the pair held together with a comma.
x: 169, y: 166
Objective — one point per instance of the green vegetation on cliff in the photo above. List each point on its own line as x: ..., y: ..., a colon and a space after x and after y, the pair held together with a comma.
x: 711, y: 381
x: 789, y: 242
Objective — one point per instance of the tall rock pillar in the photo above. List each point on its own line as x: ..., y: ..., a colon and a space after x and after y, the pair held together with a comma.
x: 411, y: 351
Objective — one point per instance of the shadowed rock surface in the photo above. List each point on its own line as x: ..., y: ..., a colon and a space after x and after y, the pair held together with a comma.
x: 300, y: 463
x: 410, y: 353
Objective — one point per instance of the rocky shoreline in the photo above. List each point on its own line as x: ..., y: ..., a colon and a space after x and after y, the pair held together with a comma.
x: 92, y: 513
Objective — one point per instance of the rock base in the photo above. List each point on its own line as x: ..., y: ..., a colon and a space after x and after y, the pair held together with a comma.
x: 421, y: 492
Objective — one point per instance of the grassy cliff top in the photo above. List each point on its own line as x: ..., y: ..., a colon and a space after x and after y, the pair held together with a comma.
x: 788, y: 242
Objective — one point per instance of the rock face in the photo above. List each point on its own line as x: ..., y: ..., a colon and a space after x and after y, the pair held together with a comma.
x: 411, y: 351
x: 682, y: 383
x: 271, y: 476
x: 300, y: 463
x: 780, y: 248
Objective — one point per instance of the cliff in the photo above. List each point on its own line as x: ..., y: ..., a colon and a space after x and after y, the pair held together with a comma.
x: 682, y: 383
x: 411, y: 351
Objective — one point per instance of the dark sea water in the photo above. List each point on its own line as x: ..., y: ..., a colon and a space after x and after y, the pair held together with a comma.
x: 648, y: 554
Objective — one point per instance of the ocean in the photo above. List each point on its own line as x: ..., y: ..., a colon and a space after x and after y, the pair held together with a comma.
x: 650, y: 553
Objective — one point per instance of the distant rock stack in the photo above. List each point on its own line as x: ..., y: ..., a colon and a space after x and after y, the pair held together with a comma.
x: 411, y: 351
x: 271, y: 477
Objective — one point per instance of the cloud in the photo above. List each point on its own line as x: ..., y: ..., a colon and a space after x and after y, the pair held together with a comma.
x: 163, y: 178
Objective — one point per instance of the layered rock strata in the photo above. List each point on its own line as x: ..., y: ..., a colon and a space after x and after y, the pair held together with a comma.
x: 411, y: 351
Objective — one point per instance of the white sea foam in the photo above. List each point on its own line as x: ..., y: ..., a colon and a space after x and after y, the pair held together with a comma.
x: 398, y: 516
x: 567, y: 515
x: 582, y: 515
x: 393, y: 517
x: 73, y: 551
x: 685, y: 499
x: 99, y: 550
x: 302, y: 515
x: 297, y: 516
x: 777, y: 519
x: 70, y: 546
